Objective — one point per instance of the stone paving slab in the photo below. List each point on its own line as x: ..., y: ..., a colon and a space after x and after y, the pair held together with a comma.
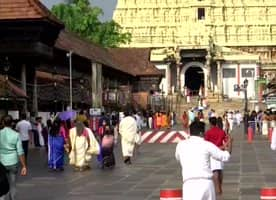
x: 252, y: 167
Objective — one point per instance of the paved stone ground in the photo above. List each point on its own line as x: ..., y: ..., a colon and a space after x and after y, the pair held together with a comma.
x: 252, y: 167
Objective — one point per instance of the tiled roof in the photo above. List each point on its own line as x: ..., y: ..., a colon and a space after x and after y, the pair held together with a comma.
x: 25, y: 10
x: 8, y: 89
x: 46, y: 76
x: 131, y: 61
x: 70, y: 42
x: 135, y: 61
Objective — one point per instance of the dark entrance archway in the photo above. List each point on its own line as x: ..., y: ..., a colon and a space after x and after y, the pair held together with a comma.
x: 194, y: 78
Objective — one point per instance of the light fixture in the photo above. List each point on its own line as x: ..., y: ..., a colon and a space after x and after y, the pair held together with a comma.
x: 6, y: 64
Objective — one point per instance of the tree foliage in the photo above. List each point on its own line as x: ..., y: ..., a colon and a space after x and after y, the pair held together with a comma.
x: 83, y: 19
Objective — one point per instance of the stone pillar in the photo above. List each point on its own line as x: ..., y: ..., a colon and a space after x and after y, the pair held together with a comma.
x: 219, y: 80
x: 94, y: 84
x: 99, y: 85
x: 169, y: 81
x: 208, y: 76
x: 35, y: 102
x: 178, y: 66
x: 177, y: 77
x: 24, y: 86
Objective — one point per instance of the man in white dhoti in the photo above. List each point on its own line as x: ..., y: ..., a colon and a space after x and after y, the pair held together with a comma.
x: 194, y: 155
x: 128, y: 131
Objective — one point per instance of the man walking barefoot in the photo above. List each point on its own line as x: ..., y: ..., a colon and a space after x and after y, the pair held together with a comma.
x: 217, y: 136
x: 194, y: 155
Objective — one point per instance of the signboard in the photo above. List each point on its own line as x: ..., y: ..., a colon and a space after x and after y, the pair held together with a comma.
x: 236, y: 88
x: 95, y: 111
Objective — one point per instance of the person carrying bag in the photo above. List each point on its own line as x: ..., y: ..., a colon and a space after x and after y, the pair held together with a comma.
x: 82, y: 146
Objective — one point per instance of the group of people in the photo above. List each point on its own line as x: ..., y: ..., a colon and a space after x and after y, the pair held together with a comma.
x: 75, y: 141
x: 160, y: 120
x: 261, y: 121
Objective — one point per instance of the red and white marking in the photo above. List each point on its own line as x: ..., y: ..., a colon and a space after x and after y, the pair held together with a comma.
x: 163, y: 136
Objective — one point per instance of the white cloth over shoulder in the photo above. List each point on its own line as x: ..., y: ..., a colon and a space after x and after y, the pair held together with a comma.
x: 128, y: 131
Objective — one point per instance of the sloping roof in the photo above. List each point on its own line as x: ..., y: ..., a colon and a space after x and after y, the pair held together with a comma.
x: 25, y: 10
x: 8, y: 89
x: 46, y: 76
x: 70, y: 42
x: 135, y: 60
x: 230, y: 54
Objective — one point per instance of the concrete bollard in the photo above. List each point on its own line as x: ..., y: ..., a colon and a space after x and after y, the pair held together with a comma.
x: 250, y: 135
x: 268, y: 194
x: 270, y: 130
x: 171, y: 194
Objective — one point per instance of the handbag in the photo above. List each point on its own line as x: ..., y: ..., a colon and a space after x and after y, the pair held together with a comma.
x: 72, y: 154
x: 4, y: 182
x: 94, y: 148
x: 138, y: 138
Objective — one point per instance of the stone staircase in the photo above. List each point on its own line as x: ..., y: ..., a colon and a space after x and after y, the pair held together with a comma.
x: 179, y: 104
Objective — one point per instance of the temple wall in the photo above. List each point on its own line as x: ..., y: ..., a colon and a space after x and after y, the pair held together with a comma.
x: 163, y: 23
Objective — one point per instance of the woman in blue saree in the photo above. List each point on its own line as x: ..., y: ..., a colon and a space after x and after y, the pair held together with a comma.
x: 56, y: 141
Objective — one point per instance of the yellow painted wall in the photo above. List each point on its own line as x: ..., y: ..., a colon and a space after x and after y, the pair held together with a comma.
x: 166, y: 23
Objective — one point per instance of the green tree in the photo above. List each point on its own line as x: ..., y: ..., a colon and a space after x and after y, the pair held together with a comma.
x: 83, y: 19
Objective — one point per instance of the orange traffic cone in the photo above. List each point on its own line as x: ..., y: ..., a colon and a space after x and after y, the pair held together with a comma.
x: 249, y: 135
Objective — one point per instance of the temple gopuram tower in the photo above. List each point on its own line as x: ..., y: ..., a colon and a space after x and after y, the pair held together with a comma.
x: 211, y: 43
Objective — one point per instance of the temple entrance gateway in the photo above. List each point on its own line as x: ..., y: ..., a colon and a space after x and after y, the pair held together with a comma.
x: 194, y: 78
x: 193, y: 75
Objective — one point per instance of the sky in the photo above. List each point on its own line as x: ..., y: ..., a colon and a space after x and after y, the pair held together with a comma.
x: 108, y: 6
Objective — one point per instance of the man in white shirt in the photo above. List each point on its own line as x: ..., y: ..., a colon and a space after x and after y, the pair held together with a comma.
x: 24, y: 127
x: 194, y: 155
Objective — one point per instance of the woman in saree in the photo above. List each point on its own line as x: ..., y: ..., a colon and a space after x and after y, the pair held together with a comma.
x: 79, y: 143
x: 56, y: 141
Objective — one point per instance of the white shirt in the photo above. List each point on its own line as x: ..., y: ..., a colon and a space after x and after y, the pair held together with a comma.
x: 23, y: 127
x: 194, y: 155
x: 239, y: 117
x: 139, y: 122
x: 273, y: 140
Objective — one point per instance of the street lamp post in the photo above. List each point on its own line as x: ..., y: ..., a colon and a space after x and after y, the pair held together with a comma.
x: 70, y: 79
x: 246, y: 115
x: 245, y: 84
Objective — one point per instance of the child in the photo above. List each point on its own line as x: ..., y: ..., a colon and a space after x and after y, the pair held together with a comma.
x: 107, y: 145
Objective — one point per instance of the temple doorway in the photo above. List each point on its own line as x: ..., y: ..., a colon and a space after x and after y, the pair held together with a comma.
x: 194, y: 78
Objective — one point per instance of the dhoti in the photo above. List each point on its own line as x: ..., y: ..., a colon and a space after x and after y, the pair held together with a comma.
x: 199, y: 189
x: 127, y: 148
